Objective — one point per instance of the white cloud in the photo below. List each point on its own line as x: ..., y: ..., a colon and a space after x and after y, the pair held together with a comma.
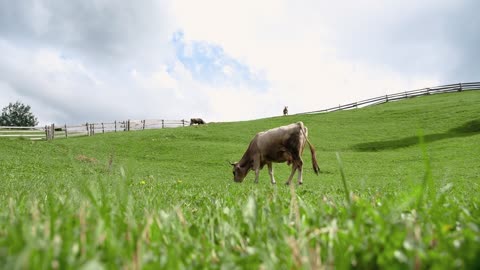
x: 64, y: 90
x: 317, y: 54
x: 227, y: 70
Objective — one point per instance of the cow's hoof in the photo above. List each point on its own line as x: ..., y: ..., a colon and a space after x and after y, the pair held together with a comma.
x: 287, y: 183
x: 274, y: 183
x: 300, y: 183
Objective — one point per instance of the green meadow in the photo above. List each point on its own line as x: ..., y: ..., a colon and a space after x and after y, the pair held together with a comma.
x: 398, y: 189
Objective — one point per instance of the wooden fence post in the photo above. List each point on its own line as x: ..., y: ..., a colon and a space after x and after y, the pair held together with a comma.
x: 88, y: 131
x: 66, y: 133
x: 183, y: 122
x: 460, y: 88
x: 103, y: 128
x: 163, y: 123
x: 115, y: 125
x: 52, y: 130
x: 144, y: 124
x: 386, y: 98
x: 46, y: 133
x: 128, y: 125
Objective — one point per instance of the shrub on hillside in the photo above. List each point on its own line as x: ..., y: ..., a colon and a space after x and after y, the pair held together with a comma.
x: 17, y: 114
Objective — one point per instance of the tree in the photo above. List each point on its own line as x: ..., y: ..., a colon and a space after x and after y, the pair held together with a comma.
x: 17, y: 114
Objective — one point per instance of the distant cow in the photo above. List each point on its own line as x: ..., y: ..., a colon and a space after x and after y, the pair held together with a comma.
x: 198, y: 121
x: 282, y: 144
x: 285, y: 110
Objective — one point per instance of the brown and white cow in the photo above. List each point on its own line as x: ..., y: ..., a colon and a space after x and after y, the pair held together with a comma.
x: 282, y: 144
x: 198, y: 121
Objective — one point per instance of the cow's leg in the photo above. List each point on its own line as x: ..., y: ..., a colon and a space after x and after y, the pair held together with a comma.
x: 270, y: 172
x: 256, y: 168
x: 257, y: 173
x: 300, y: 172
x: 294, y: 168
x: 288, y: 157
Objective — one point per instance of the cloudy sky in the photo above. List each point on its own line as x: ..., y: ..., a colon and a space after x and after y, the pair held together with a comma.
x: 103, y: 60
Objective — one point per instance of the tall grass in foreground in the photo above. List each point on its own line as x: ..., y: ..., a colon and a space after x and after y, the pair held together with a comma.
x: 113, y: 222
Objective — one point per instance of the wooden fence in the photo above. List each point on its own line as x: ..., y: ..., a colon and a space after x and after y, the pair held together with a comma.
x: 32, y: 133
x: 88, y: 129
x: 53, y: 131
x: 459, y: 87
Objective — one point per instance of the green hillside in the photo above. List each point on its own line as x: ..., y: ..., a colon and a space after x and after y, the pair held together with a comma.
x: 166, y: 198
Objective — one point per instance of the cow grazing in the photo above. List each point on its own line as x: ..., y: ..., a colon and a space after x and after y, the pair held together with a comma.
x: 282, y: 144
x: 285, y: 110
x: 198, y: 121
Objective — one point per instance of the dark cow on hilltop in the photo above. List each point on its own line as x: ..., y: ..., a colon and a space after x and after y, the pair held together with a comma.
x: 198, y: 121
x: 282, y: 144
x: 285, y: 110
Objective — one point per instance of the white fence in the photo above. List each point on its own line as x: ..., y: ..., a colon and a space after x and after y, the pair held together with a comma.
x: 458, y: 87
x: 32, y: 133
x: 53, y: 131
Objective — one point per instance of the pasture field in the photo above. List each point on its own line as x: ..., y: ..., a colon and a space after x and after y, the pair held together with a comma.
x: 165, y: 199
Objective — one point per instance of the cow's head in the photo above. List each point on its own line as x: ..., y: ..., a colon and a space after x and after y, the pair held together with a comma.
x: 239, y: 173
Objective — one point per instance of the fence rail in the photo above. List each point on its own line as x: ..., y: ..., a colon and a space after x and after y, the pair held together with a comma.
x: 50, y: 132
x: 449, y: 88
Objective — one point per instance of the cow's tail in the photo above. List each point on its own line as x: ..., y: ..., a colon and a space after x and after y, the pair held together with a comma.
x: 315, y: 166
x: 316, y: 169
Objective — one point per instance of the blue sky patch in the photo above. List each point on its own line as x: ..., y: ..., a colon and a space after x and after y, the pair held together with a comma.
x: 210, y: 64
